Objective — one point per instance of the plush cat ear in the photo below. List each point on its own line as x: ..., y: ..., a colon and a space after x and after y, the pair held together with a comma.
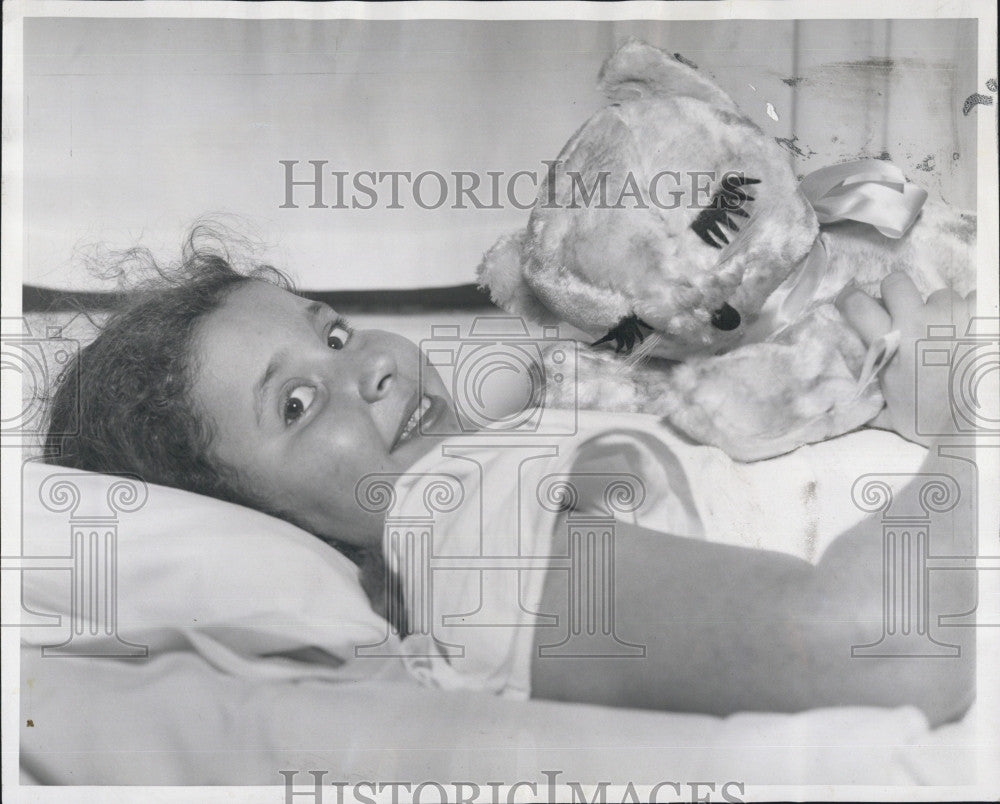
x: 500, y: 273
x: 640, y: 70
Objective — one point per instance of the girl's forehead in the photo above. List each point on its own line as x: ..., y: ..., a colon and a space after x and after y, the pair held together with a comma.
x: 254, y: 315
x: 257, y: 325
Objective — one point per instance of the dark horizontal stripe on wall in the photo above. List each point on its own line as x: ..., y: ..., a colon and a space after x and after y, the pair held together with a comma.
x: 457, y: 297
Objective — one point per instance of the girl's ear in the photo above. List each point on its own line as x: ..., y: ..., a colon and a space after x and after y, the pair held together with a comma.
x: 640, y: 70
x: 500, y: 273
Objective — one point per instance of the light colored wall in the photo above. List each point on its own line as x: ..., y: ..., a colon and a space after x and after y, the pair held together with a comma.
x: 133, y: 128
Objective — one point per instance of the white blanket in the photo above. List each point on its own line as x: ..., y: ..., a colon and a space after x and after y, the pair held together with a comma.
x: 173, y: 720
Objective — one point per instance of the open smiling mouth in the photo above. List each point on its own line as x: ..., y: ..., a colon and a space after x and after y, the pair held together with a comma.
x: 424, y: 410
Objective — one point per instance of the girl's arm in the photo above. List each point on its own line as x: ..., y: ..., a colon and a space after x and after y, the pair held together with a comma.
x: 728, y: 629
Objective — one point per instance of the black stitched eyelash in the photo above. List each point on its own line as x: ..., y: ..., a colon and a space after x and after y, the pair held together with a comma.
x: 625, y: 334
x: 728, y: 200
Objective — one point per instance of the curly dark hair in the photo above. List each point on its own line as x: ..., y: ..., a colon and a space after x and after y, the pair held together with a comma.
x: 124, y: 406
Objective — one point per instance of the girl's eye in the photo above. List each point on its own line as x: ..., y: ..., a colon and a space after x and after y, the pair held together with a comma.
x: 338, y: 336
x: 298, y: 402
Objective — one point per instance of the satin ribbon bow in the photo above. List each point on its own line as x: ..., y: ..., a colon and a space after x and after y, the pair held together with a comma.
x: 867, y: 190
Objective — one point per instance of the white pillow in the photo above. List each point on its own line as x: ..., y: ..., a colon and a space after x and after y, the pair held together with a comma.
x: 191, y: 570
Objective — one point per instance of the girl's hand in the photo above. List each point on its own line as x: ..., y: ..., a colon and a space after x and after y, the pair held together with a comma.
x: 903, y: 309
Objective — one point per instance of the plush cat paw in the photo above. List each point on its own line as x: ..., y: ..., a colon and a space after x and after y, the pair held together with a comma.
x: 769, y: 398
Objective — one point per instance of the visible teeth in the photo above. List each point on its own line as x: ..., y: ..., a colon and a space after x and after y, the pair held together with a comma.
x: 414, y: 420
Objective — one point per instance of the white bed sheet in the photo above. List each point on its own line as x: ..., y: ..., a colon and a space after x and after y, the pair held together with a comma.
x: 172, y: 720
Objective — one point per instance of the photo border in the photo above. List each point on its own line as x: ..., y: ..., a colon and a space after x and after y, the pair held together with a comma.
x: 12, y: 253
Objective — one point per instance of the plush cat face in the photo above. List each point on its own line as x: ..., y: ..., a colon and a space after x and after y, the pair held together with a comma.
x: 669, y: 211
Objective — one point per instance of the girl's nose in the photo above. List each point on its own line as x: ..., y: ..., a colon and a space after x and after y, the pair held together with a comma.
x: 377, y: 374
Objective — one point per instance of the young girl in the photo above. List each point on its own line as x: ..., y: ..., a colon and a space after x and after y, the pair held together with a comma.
x: 230, y: 385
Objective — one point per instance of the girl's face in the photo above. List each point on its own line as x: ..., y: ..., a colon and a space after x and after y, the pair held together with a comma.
x: 303, y: 408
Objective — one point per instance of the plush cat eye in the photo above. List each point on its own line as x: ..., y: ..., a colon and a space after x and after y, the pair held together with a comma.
x: 625, y: 333
x: 727, y: 201
x: 726, y: 318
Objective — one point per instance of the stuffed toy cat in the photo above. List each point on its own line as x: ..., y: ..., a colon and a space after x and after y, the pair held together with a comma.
x: 672, y: 230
